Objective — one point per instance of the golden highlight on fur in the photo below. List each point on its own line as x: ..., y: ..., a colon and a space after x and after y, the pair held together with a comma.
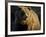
x: 32, y: 20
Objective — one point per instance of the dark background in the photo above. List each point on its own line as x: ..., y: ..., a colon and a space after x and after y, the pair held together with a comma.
x: 15, y: 14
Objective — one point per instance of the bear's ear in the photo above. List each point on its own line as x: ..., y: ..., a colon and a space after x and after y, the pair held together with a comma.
x: 29, y: 8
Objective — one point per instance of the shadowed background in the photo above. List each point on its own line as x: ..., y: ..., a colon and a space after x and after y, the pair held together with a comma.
x: 17, y: 14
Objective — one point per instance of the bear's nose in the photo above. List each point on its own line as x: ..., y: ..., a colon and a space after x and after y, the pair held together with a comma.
x: 25, y: 17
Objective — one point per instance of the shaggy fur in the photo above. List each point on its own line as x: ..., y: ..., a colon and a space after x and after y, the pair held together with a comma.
x: 32, y: 20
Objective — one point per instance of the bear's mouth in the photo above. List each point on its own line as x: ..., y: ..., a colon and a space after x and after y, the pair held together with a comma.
x: 24, y: 18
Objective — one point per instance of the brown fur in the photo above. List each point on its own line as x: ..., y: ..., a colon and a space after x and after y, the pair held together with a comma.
x: 32, y: 20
